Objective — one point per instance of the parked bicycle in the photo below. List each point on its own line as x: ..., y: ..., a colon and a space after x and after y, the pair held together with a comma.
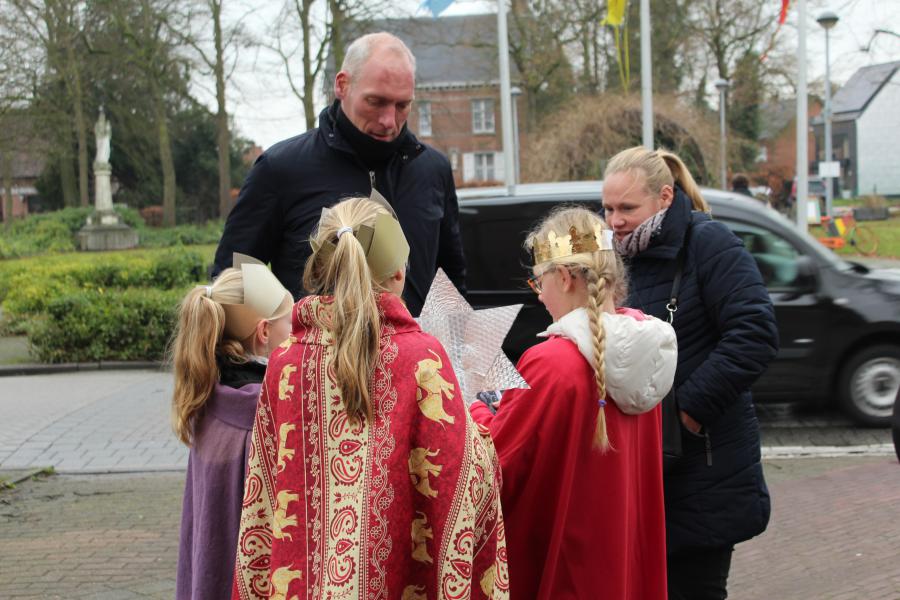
x: 845, y: 230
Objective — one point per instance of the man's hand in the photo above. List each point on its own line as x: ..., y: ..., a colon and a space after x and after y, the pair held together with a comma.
x: 689, y: 423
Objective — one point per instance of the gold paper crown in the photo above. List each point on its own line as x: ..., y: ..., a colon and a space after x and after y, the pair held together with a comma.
x: 575, y: 243
x: 264, y: 298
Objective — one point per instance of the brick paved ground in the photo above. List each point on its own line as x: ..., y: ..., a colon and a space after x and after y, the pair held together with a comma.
x: 91, y: 536
x: 94, y: 421
x: 834, y: 535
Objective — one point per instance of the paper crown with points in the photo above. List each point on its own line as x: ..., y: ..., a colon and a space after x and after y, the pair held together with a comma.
x: 554, y: 247
x: 383, y: 242
x: 264, y: 298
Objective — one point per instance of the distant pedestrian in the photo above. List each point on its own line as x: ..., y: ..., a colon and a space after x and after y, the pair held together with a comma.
x: 225, y: 333
x: 716, y: 495
x: 740, y: 184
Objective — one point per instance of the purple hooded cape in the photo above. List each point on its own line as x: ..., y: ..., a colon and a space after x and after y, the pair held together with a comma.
x: 213, y: 493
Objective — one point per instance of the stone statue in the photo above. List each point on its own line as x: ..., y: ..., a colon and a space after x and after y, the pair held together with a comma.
x: 103, y: 133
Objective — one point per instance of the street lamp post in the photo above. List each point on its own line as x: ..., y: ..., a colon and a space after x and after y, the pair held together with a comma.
x: 828, y: 20
x: 516, y: 92
x: 722, y: 85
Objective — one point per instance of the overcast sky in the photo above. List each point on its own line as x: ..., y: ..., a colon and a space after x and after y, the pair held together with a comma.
x: 266, y: 111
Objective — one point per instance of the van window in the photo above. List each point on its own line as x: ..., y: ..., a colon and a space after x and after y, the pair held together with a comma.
x: 775, y: 256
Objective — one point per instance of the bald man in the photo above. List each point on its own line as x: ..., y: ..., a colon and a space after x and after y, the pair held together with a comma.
x: 362, y: 142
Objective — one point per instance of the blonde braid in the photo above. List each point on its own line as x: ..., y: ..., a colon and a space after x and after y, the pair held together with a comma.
x: 596, y: 296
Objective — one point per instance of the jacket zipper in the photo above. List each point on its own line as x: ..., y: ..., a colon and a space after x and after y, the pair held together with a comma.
x: 708, y: 449
x: 372, y: 178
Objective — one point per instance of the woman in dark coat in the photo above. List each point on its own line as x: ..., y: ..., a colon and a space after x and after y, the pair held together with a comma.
x: 715, y: 495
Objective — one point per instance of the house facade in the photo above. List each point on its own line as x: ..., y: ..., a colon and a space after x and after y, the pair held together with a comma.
x: 776, y: 164
x: 865, y: 130
x: 457, y: 105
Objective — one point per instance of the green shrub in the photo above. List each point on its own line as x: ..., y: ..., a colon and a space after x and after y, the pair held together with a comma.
x: 28, y: 286
x: 188, y: 235
x: 56, y: 231
x: 95, y: 325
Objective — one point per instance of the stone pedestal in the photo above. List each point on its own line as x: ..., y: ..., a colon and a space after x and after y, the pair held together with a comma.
x: 104, y: 229
x: 107, y: 237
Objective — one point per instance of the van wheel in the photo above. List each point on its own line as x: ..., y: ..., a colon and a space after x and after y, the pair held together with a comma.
x: 869, y: 384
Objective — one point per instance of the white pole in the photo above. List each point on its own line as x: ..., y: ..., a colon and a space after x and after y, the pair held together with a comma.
x: 802, y: 120
x: 829, y: 187
x: 723, y: 144
x: 646, y: 77
x: 505, y: 98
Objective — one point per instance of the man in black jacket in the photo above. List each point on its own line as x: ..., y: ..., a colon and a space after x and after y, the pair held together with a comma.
x: 362, y: 143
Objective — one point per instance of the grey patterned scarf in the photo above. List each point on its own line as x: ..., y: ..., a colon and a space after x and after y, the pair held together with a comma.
x: 638, y: 240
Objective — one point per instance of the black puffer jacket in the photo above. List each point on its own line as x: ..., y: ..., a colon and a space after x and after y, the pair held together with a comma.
x: 282, y: 199
x: 716, y: 496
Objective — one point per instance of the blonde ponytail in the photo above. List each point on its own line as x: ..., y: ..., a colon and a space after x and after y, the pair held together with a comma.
x: 684, y: 179
x: 355, y: 320
x: 659, y: 167
x: 197, y: 341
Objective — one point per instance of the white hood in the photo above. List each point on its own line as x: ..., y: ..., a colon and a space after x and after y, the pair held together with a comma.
x: 640, y: 357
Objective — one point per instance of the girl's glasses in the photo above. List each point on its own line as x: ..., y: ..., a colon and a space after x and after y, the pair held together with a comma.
x: 535, y: 282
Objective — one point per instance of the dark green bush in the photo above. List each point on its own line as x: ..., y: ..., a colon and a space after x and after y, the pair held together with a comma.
x: 92, y: 325
x: 56, y: 231
x: 27, y: 287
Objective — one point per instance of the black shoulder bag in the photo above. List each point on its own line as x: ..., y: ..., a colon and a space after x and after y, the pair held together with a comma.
x: 671, y: 420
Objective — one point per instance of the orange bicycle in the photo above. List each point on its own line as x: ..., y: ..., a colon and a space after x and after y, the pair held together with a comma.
x: 844, y: 230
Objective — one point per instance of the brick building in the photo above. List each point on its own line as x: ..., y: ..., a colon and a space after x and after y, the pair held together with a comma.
x: 777, y: 158
x: 457, y: 107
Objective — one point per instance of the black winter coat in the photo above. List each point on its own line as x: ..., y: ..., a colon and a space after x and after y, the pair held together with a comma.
x: 282, y: 199
x: 716, y: 495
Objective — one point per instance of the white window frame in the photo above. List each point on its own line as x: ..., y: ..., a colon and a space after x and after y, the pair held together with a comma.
x: 485, y: 166
x: 483, y: 115
x: 425, y: 119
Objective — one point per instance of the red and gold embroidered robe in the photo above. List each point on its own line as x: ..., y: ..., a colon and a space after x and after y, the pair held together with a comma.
x: 403, y: 506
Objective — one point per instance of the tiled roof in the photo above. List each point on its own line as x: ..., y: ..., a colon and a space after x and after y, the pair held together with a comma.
x: 449, y: 51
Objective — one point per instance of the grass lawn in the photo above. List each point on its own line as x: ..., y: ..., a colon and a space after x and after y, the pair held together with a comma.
x: 888, y: 233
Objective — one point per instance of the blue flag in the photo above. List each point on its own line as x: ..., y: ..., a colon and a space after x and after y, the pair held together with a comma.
x: 436, y: 6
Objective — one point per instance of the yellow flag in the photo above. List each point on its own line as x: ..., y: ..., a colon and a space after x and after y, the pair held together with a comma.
x: 615, y: 13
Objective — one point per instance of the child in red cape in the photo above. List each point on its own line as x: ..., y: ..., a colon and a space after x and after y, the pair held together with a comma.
x: 580, y: 452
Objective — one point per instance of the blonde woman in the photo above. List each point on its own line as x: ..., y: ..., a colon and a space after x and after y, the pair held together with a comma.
x: 716, y: 495
x: 580, y: 451
x: 224, y: 335
x: 367, y: 477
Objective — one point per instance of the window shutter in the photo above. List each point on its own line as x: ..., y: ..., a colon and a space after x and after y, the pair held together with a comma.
x: 468, y: 166
x: 499, y: 171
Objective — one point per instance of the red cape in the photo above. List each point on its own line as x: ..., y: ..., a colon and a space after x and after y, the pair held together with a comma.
x: 403, y: 506
x: 579, y: 523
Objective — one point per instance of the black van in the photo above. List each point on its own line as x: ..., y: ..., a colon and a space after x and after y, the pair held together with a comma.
x: 839, y: 321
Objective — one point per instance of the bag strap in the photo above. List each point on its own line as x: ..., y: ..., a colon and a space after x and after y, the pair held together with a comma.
x: 672, y: 305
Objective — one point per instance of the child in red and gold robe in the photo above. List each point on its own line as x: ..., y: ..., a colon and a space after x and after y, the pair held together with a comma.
x: 367, y: 476
x: 580, y: 451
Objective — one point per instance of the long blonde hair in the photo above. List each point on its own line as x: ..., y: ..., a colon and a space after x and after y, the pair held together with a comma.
x: 199, y: 338
x: 605, y: 276
x: 659, y: 167
x: 355, y: 322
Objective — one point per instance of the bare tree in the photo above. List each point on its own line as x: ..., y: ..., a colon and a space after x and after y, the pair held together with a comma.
x: 152, y: 48
x: 306, y: 31
x: 218, y: 57
x: 57, y: 26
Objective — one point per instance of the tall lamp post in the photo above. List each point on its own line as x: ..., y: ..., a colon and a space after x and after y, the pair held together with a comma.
x: 722, y: 85
x: 828, y: 20
x: 516, y: 92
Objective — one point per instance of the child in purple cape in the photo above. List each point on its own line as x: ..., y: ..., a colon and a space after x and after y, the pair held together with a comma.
x: 224, y: 336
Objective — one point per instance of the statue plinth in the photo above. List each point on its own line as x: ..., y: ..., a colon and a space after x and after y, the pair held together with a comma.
x: 104, y: 229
